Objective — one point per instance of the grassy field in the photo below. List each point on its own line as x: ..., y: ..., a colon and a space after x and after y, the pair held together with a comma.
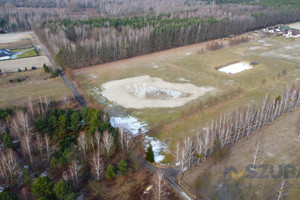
x: 16, y: 87
x: 279, y: 146
x: 29, y: 52
x: 271, y: 76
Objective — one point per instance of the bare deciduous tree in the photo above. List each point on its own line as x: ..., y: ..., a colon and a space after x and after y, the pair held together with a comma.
x: 20, y: 124
x: 40, y: 144
x: 9, y: 165
x: 281, y: 189
x: 125, y: 140
x: 257, y: 149
x: 74, y: 170
x: 159, y: 189
x: 97, y: 164
x: 107, y: 144
x: 199, y: 146
x: 47, y: 142
x: 27, y: 147
x: 30, y: 107
x: 97, y: 138
x: 83, y: 143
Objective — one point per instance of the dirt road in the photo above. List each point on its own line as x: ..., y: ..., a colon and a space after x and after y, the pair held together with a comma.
x: 62, y: 74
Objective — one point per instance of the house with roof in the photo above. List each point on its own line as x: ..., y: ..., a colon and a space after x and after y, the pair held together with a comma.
x: 5, y: 54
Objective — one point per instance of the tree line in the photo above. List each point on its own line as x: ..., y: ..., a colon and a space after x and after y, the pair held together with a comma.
x: 81, y: 43
x: 228, y: 129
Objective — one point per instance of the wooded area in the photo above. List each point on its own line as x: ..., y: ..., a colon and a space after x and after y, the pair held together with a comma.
x: 53, y: 153
x: 82, y: 43
x: 80, y: 38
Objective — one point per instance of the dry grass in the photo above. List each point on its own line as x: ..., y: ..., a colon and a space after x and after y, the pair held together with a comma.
x: 279, y: 146
x: 171, y: 125
x: 35, y: 83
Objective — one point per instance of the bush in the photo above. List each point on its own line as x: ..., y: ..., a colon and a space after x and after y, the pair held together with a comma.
x: 10, y: 80
x: 19, y: 80
x: 46, y: 68
x: 109, y: 173
x: 53, y: 74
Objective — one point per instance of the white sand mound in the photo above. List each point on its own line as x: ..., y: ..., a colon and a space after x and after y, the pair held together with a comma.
x: 235, y: 68
x: 147, y: 92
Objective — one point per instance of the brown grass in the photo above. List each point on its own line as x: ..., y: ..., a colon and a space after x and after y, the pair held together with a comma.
x: 35, y: 84
x: 279, y: 146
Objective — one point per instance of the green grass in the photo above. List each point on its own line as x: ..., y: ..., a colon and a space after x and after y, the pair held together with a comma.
x: 29, y: 53
x: 174, y: 124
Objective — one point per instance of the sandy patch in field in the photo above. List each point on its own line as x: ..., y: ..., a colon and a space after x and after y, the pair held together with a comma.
x: 147, y: 92
x: 295, y: 25
x: 14, y: 65
x: 235, y: 68
x: 13, y: 37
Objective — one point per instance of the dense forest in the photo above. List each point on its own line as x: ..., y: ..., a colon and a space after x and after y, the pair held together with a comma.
x: 52, y: 153
x: 82, y: 43
x: 85, y: 33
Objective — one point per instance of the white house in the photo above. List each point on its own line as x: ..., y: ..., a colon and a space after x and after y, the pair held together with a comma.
x: 5, y: 54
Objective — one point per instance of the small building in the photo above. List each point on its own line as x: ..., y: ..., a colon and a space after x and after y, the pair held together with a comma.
x: 5, y: 54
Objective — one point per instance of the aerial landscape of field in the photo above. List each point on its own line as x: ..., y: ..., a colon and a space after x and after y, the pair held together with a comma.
x: 186, y: 65
x: 149, y: 99
x: 30, y: 81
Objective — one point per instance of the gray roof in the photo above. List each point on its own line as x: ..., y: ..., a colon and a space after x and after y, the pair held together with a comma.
x: 5, y: 52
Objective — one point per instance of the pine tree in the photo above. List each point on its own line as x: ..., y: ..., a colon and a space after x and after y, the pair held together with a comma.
x: 62, y: 121
x: 7, y: 141
x: 75, y: 122
x: 150, y: 154
x: 122, y: 167
x: 110, y: 174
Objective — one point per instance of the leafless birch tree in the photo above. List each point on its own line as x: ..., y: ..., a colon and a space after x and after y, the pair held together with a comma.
x: 257, y: 149
x: 83, y: 143
x: 40, y: 144
x: 20, y: 124
x: 97, y: 164
x: 74, y: 170
x: 9, y: 165
x: 47, y: 143
x: 107, y: 144
x: 160, y: 189
x: 281, y: 189
x: 27, y: 147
